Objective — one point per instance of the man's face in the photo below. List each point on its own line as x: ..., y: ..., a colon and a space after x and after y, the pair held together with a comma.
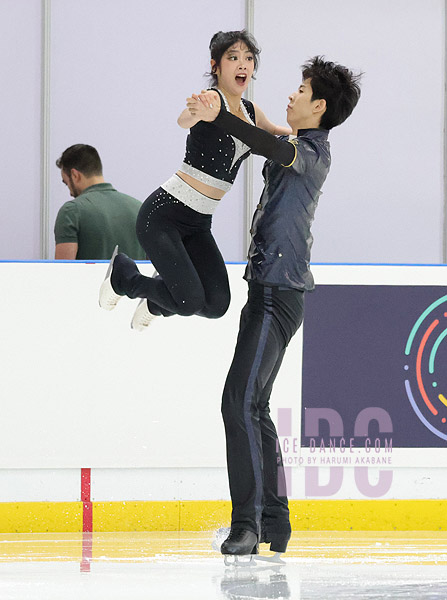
x: 68, y: 180
x: 300, y: 109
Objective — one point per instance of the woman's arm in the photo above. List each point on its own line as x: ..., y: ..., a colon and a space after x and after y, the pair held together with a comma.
x: 264, y: 123
x: 186, y: 120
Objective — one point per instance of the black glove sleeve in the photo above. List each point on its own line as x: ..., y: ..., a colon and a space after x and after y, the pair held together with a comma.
x: 260, y: 141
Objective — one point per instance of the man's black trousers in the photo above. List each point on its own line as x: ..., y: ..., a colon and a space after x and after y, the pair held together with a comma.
x: 270, y: 318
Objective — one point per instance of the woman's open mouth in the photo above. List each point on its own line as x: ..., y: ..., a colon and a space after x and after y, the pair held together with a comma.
x: 241, y: 79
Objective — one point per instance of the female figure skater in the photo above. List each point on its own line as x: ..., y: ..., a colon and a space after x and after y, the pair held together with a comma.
x: 174, y: 223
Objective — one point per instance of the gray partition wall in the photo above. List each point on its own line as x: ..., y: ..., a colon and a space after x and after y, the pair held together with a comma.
x: 384, y: 198
x: 20, y: 51
x: 118, y: 73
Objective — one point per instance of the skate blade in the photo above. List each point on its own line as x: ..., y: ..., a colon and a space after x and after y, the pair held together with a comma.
x: 110, y: 267
x: 108, y: 299
x: 239, y: 560
x: 275, y: 559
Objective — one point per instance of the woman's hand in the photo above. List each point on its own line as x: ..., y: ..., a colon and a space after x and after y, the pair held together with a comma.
x: 204, y: 106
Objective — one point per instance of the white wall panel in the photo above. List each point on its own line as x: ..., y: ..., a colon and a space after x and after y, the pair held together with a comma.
x: 212, y: 484
x: 40, y: 485
x: 121, y: 72
x: 167, y: 484
x: 20, y: 72
x: 160, y: 484
x: 383, y: 199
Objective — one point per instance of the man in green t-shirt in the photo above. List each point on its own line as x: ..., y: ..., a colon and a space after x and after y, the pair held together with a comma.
x: 98, y: 218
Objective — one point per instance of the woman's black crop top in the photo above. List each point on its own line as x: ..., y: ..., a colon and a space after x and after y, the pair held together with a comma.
x: 213, y: 156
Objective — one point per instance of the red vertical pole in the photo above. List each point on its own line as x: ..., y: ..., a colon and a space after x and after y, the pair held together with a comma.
x: 87, y: 520
x: 86, y: 500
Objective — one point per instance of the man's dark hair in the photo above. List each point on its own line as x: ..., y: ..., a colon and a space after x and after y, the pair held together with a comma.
x: 337, y: 85
x: 222, y: 40
x: 81, y: 157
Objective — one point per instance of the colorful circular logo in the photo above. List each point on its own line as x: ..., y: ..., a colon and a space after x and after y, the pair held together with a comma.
x: 426, y: 367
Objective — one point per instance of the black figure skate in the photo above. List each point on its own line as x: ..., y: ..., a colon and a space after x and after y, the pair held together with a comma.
x: 241, y: 544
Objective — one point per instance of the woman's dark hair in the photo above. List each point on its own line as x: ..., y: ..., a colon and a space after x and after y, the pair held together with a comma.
x: 81, y: 157
x: 337, y: 85
x: 222, y: 40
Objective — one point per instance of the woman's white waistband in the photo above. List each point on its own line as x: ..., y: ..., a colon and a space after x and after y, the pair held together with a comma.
x: 205, y: 178
x: 189, y: 196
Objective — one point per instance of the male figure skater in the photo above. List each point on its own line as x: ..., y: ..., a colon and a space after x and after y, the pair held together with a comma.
x: 278, y: 274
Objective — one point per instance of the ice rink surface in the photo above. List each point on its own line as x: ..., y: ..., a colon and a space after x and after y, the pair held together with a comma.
x: 183, y: 566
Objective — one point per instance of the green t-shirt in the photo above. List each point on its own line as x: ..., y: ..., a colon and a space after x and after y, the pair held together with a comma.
x: 97, y: 220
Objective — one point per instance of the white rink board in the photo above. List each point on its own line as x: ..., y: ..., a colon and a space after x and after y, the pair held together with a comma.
x: 79, y: 388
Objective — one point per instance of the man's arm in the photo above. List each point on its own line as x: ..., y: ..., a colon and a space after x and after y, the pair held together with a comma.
x: 66, y: 230
x: 260, y: 141
x: 66, y: 251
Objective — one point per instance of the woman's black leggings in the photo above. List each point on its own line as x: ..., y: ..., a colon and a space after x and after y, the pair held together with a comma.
x: 192, y: 279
